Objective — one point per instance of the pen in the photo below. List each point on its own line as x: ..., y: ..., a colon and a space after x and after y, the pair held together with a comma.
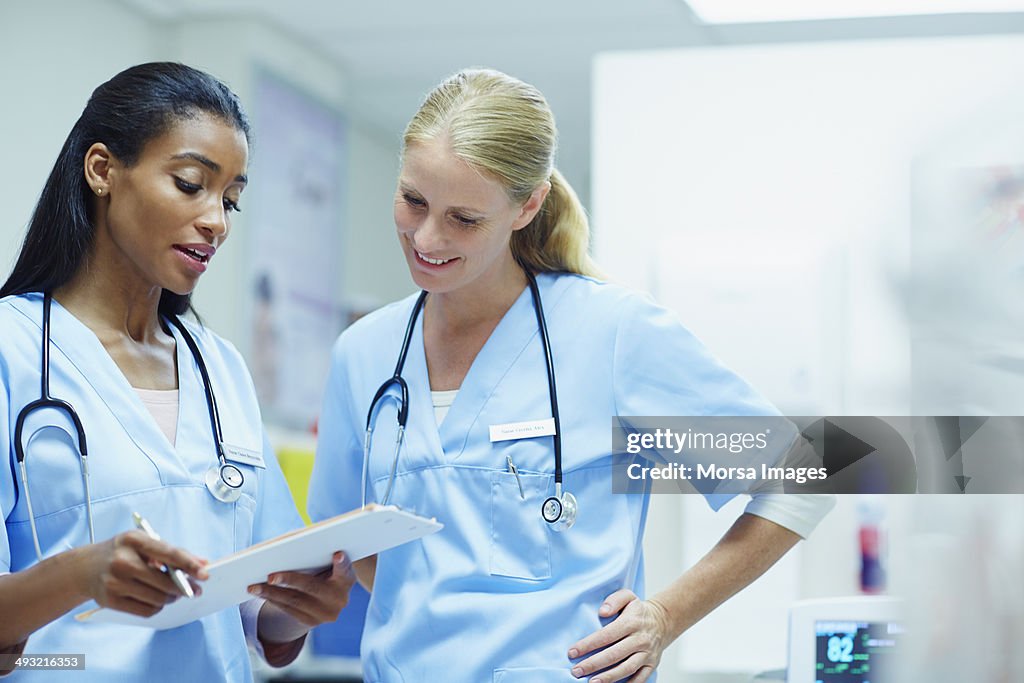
x: 179, y: 577
x: 512, y: 469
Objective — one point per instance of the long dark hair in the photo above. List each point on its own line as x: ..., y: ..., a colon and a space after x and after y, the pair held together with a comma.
x: 132, y: 108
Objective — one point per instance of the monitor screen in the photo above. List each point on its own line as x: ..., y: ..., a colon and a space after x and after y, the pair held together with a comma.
x: 855, y: 651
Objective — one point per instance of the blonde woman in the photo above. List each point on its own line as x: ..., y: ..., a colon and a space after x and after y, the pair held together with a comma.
x: 511, y: 363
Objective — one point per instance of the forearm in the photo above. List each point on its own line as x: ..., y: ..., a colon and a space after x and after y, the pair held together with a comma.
x: 281, y: 635
x: 750, y: 547
x: 33, y: 597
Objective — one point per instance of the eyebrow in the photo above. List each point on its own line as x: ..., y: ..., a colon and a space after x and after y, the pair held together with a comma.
x: 209, y: 163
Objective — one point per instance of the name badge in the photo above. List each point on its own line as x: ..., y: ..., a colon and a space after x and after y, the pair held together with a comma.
x: 523, y: 430
x: 244, y: 456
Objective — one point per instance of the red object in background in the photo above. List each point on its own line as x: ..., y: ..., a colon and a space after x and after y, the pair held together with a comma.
x: 872, y: 573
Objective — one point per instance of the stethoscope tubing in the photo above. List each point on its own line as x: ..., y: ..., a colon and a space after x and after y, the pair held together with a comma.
x: 211, y: 400
x: 230, y: 490
x: 47, y: 401
x: 549, y: 366
x: 403, y: 400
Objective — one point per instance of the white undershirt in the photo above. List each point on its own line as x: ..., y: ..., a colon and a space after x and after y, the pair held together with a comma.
x: 442, y: 401
x: 163, y: 406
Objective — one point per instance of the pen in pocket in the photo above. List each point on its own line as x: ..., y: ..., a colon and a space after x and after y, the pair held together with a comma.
x: 512, y: 469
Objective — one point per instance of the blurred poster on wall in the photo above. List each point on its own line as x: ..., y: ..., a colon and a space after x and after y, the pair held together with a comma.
x: 297, y: 173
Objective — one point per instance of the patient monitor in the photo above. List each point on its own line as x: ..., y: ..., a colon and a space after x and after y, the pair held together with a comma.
x: 844, y: 640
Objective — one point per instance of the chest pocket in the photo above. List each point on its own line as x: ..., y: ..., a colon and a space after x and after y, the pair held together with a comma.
x: 245, y: 510
x: 245, y: 506
x: 201, y: 460
x: 520, y: 539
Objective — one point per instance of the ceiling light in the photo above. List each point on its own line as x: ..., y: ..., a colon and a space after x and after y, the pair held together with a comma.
x: 756, y: 11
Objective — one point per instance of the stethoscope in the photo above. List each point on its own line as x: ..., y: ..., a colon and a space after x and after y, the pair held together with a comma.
x: 224, y: 481
x: 558, y: 510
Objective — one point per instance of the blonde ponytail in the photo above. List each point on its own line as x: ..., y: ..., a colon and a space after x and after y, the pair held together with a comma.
x: 505, y: 129
x: 558, y: 238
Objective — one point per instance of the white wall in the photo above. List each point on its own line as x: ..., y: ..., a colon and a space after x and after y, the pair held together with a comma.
x: 375, y: 270
x: 54, y: 53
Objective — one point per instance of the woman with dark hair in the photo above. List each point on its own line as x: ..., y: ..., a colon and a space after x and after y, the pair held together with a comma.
x: 95, y: 360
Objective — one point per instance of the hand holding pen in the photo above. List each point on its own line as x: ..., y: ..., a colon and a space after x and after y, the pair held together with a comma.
x: 179, y: 577
x: 127, y: 572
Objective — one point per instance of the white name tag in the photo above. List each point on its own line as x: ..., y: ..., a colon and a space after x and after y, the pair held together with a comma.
x: 523, y: 430
x: 244, y: 456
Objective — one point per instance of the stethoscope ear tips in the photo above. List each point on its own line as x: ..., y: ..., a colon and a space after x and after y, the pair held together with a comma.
x: 560, y: 513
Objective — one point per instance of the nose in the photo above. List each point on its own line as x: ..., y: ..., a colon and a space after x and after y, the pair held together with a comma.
x: 214, y: 221
x: 428, y: 236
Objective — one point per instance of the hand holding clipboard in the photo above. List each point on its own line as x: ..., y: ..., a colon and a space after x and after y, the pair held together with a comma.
x: 359, y: 533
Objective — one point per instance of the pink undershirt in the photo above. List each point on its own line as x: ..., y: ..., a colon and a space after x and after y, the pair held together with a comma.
x: 163, y: 406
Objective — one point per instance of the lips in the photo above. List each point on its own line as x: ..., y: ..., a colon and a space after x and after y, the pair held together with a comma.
x: 195, y: 257
x: 433, y: 261
x: 201, y: 253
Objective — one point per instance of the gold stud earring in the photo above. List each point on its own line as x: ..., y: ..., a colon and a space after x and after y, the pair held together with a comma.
x: 99, y: 190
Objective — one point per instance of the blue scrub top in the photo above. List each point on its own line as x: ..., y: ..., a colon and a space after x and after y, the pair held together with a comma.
x: 133, y: 467
x: 497, y: 595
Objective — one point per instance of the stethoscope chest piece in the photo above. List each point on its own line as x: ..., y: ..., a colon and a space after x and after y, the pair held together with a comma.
x: 560, y: 511
x: 225, y: 482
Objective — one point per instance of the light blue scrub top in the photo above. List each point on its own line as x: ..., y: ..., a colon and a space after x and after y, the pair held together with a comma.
x: 132, y: 467
x: 497, y: 595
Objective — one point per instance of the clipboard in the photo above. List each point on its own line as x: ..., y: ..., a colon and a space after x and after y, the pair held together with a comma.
x: 360, y: 533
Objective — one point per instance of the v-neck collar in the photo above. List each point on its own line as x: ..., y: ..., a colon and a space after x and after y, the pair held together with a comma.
x: 83, y: 349
x: 513, y: 334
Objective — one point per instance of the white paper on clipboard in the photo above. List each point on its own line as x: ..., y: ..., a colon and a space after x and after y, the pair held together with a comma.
x: 359, y: 533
